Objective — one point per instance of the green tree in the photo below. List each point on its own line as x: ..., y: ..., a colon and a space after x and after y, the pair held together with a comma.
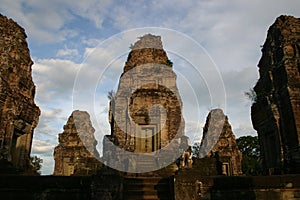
x: 196, y: 149
x: 131, y: 46
x: 37, y: 163
x: 251, y: 95
x: 249, y: 146
x: 111, y: 95
x: 169, y: 62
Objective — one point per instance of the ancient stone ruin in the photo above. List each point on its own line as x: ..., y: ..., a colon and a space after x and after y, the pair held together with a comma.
x: 276, y: 112
x: 145, y: 113
x: 146, y: 119
x: 218, y: 143
x: 18, y: 113
x: 76, y: 153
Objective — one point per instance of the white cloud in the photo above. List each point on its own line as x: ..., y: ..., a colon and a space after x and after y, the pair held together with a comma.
x: 193, y: 129
x: 92, y: 42
x: 42, y: 20
x: 42, y: 147
x: 47, y: 126
x: 44, y: 150
x: 67, y: 53
x: 51, y: 114
x: 54, y: 79
x: 46, y: 21
x: 207, y: 21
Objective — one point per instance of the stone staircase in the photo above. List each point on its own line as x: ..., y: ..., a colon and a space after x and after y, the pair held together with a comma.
x: 148, y: 188
x: 147, y: 163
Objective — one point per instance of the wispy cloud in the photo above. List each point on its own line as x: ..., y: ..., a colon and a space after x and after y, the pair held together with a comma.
x: 67, y: 53
x: 42, y: 147
x: 54, y: 79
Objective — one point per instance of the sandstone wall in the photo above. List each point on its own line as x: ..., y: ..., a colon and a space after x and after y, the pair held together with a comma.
x: 276, y: 112
x: 18, y: 112
x: 189, y: 185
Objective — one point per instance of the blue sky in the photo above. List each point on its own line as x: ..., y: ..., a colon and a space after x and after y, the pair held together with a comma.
x: 64, y: 38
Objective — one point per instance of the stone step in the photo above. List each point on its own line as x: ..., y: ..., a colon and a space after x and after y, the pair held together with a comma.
x: 147, y: 197
x: 146, y: 165
x: 150, y: 164
x: 148, y: 188
x: 165, y: 172
x: 140, y: 195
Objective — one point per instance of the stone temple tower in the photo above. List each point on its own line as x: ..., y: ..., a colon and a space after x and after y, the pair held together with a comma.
x: 19, y: 114
x: 276, y: 111
x: 146, y: 111
x: 76, y: 153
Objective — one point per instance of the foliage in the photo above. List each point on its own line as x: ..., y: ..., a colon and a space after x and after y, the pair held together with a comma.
x: 37, y: 163
x: 169, y: 62
x: 111, y: 95
x: 196, y: 149
x: 131, y: 46
x: 251, y: 95
x: 250, y: 148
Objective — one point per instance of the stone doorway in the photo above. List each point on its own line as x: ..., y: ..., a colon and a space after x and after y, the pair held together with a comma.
x: 147, y: 140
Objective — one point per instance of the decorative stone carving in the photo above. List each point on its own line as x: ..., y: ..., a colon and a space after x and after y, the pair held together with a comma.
x: 275, y: 113
x: 76, y: 153
x: 186, y: 160
x: 18, y: 113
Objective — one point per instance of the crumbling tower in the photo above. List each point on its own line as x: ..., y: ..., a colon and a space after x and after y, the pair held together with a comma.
x: 219, y: 142
x: 76, y: 153
x: 276, y: 110
x: 146, y: 111
x: 18, y: 113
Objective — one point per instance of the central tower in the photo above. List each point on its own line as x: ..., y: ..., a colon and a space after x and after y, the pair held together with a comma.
x: 146, y: 110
